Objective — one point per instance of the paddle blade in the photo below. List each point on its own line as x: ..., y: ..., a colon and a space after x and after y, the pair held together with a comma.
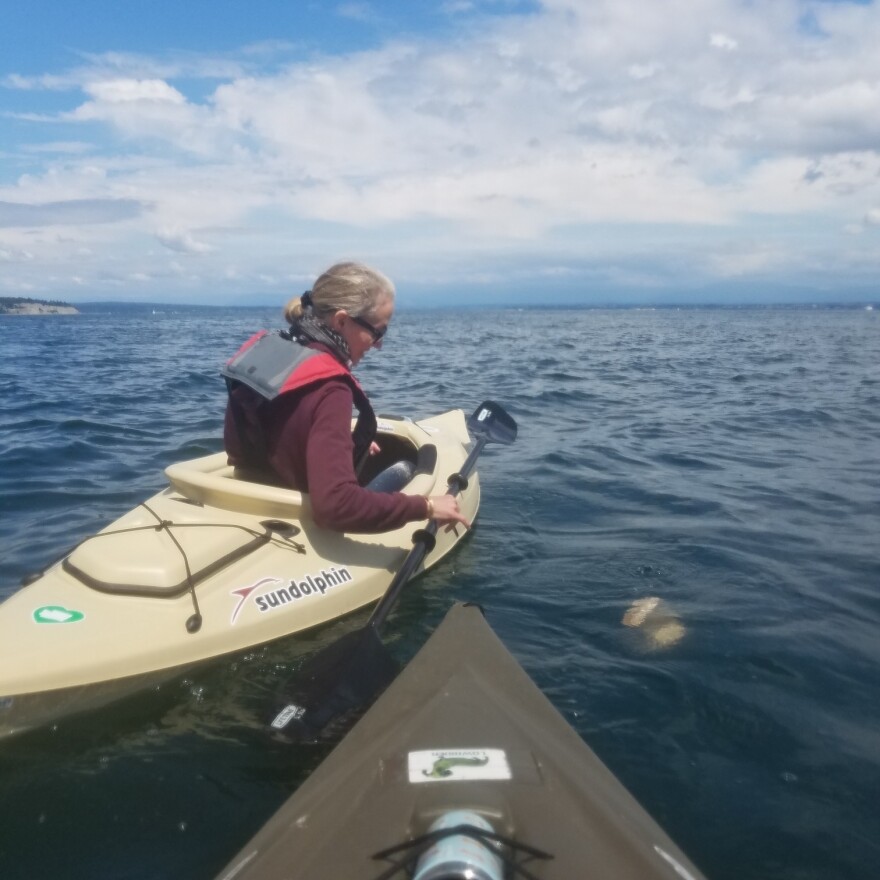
x: 333, y: 687
x: 491, y: 421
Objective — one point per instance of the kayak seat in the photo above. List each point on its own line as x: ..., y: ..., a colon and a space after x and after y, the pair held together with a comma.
x: 212, y: 481
x: 397, y: 476
x: 393, y: 478
x: 393, y: 448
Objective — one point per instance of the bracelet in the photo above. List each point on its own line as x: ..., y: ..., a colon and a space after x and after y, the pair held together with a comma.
x: 430, y: 508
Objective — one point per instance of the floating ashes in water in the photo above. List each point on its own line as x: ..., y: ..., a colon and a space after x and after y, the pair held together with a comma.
x: 656, y: 622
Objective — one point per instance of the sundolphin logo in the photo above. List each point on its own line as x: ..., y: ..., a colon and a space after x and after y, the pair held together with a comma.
x: 315, y: 584
x: 244, y: 592
x: 311, y: 585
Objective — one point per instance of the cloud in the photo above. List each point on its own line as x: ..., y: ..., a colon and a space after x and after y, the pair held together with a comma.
x: 356, y: 11
x: 722, y: 41
x: 577, y: 128
x: 138, y: 109
x: 72, y: 147
x: 15, y: 256
x: 748, y: 259
x: 182, y: 241
x: 108, y: 66
x: 644, y: 71
x: 119, y: 91
x: 75, y: 212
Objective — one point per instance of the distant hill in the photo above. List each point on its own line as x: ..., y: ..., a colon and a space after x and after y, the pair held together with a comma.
x: 23, y: 306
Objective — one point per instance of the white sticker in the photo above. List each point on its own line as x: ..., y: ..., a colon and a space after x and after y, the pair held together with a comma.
x: 385, y: 426
x: 450, y: 765
x: 286, y: 715
x: 57, y: 614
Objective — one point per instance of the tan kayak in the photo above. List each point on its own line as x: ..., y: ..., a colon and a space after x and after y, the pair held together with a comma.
x: 213, y: 564
x: 461, y: 769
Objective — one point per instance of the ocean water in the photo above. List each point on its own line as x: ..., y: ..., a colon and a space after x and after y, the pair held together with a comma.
x: 725, y: 462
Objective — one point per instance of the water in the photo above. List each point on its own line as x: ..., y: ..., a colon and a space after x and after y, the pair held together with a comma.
x: 726, y: 462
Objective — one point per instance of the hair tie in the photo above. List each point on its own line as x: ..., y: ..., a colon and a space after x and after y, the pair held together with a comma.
x: 306, y: 300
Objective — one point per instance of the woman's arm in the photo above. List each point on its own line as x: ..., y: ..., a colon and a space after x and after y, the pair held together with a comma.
x: 338, y: 501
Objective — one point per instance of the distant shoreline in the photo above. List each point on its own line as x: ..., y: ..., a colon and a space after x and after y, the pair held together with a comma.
x: 22, y: 306
x: 35, y: 307
x: 413, y: 306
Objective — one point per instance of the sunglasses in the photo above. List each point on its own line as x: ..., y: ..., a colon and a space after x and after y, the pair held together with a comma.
x: 376, y: 332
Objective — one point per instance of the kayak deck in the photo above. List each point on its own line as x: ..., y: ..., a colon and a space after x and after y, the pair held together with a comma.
x: 462, y: 728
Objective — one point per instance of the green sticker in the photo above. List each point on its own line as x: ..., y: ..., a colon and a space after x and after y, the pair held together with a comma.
x: 57, y: 614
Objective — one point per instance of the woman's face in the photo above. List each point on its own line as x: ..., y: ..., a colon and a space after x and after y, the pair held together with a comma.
x: 366, y: 332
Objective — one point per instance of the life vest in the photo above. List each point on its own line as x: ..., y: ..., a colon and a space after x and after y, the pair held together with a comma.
x: 270, y: 365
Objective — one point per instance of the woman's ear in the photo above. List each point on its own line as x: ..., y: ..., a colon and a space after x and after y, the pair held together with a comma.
x: 337, y: 322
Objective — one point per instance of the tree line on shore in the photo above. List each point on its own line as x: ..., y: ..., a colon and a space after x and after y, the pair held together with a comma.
x: 12, y: 304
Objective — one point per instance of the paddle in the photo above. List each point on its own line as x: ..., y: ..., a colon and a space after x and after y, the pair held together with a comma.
x: 350, y: 673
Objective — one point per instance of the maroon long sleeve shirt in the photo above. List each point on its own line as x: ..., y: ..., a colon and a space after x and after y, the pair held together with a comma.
x: 310, y: 447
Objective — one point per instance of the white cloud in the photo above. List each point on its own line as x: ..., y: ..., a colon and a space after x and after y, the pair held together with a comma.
x: 580, y: 126
x: 356, y: 11
x: 182, y: 241
x: 15, y: 256
x: 722, y: 41
x: 71, y: 212
x: 28, y: 83
x: 643, y: 71
x: 71, y: 147
x: 119, y: 91
x: 748, y: 259
x: 109, y: 66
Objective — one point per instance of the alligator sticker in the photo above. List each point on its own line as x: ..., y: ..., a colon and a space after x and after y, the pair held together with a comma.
x: 315, y: 584
x: 57, y: 614
x: 439, y: 765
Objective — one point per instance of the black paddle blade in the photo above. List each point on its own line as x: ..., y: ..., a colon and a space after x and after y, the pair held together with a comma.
x: 491, y: 421
x: 333, y: 687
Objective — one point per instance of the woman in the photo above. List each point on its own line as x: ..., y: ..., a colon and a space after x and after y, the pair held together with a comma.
x: 291, y: 397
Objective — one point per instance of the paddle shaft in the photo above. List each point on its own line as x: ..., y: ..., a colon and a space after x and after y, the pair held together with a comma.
x: 424, y: 541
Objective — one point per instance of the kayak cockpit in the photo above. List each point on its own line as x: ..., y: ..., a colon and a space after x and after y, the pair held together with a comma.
x: 212, y: 481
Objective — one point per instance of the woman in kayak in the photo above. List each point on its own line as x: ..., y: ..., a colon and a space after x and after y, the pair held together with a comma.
x: 291, y: 397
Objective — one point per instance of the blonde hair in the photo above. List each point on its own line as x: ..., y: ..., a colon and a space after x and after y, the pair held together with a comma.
x: 351, y: 286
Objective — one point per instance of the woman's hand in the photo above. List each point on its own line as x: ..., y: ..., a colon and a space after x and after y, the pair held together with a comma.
x: 444, y: 510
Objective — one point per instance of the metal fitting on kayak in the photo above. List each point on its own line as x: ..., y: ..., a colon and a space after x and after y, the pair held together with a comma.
x: 461, y: 852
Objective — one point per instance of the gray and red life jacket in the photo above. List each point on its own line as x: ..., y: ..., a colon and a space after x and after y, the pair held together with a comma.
x: 270, y: 364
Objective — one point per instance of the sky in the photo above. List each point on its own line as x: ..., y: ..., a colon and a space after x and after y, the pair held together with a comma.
x: 531, y: 152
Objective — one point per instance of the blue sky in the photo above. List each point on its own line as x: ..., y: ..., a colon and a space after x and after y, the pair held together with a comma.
x: 485, y: 151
